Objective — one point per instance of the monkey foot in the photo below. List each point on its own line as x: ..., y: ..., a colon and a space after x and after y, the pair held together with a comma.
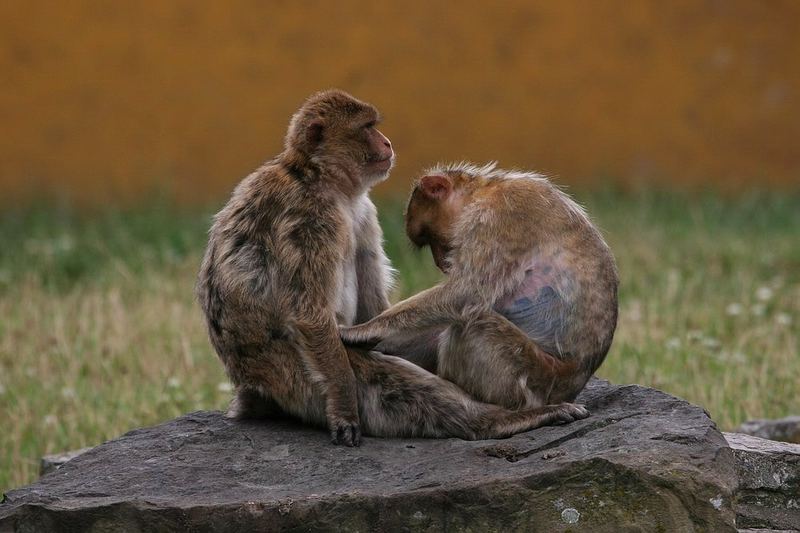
x: 344, y: 432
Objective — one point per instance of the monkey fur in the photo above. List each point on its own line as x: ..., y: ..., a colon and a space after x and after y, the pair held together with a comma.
x: 297, y: 252
x: 528, y: 309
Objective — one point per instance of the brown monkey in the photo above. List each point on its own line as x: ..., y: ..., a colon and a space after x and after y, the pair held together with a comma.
x: 296, y: 250
x: 529, y: 307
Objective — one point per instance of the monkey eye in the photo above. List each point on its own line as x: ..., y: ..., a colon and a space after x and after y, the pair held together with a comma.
x: 370, y: 124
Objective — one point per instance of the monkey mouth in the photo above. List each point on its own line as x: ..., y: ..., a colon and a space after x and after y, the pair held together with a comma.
x: 382, y: 164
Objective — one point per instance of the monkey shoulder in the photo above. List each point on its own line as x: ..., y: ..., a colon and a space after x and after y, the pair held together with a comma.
x: 292, y: 208
x: 272, y: 228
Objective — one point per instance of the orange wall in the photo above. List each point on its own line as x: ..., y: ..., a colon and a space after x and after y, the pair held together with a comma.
x: 104, y: 99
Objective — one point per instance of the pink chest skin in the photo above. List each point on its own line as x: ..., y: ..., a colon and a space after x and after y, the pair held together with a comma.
x: 537, y: 275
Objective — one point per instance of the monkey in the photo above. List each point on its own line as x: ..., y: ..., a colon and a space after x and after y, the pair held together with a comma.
x: 296, y: 252
x: 528, y: 309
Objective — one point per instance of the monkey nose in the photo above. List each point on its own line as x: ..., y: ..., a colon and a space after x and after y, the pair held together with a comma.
x: 387, y: 143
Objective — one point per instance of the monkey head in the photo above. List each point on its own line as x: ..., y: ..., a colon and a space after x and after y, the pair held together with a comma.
x: 336, y: 130
x: 435, y: 204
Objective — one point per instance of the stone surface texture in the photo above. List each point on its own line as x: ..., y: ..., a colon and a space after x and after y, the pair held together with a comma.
x: 50, y: 463
x: 769, y: 483
x: 643, y: 461
x: 783, y: 429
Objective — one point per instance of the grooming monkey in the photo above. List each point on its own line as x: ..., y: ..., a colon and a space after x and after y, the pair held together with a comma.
x: 528, y: 310
x: 296, y: 251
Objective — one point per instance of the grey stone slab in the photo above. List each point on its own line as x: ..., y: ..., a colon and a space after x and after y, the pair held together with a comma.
x: 769, y: 482
x: 644, y: 460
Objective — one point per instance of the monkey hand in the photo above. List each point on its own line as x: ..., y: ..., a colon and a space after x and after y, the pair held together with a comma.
x: 359, y: 337
x: 344, y: 429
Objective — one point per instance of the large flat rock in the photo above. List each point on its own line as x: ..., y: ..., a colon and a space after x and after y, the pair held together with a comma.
x: 644, y: 461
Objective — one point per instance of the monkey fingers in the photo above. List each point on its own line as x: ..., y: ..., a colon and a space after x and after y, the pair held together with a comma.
x: 564, y: 413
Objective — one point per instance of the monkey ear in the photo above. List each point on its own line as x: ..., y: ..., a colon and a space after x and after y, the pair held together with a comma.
x: 436, y: 186
x: 314, y: 132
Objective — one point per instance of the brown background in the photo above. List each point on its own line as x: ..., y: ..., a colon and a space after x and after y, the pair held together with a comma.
x: 113, y: 100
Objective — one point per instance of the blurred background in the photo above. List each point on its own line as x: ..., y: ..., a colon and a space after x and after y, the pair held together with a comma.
x: 107, y: 100
x: 126, y: 125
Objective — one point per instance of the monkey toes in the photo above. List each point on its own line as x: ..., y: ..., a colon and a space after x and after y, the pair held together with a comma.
x: 344, y: 432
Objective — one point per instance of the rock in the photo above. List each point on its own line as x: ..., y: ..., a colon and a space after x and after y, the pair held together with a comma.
x: 644, y: 460
x: 769, y: 482
x: 783, y: 429
x: 748, y: 530
x: 52, y: 462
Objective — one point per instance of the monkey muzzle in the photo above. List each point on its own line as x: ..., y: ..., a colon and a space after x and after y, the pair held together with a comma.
x: 439, y: 253
x: 382, y: 163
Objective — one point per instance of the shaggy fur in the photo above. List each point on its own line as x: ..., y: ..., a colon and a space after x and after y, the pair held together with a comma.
x: 529, y: 307
x: 297, y: 251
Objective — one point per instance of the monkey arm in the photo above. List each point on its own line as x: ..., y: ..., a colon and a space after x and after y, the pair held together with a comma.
x: 480, y: 276
x: 326, y: 359
x: 428, y: 309
x: 307, y: 275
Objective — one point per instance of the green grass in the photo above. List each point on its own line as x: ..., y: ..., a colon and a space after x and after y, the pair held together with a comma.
x: 100, y: 333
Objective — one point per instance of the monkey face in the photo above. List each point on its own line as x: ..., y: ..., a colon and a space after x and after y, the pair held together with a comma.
x: 339, y: 131
x: 378, y: 153
x: 429, y: 223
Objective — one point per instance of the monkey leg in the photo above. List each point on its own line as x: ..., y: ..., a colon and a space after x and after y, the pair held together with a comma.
x: 249, y: 403
x: 495, y: 362
x: 397, y: 398
x: 273, y: 381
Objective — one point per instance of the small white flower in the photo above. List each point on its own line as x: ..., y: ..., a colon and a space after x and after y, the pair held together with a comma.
x: 784, y: 319
x: 739, y: 357
x: 65, y: 243
x: 224, y: 387
x: 734, y: 309
x: 673, y: 343
x: 635, y: 311
x: 732, y: 357
x: 68, y: 393
x: 694, y: 335
x: 173, y: 383
x: 764, y: 294
x: 711, y: 343
x: 50, y: 420
x: 758, y: 309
